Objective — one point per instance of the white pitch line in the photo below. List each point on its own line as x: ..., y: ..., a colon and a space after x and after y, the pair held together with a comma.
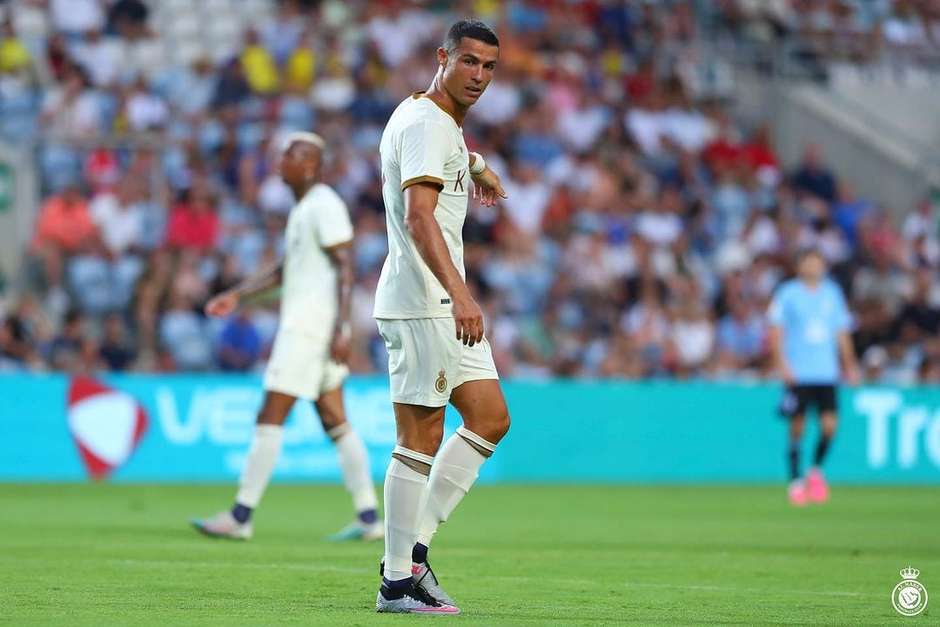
x: 566, y: 582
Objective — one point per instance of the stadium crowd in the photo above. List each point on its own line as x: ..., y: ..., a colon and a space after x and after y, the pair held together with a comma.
x: 643, y: 234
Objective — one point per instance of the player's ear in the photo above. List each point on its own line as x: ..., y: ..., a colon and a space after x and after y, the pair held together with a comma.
x: 442, y: 57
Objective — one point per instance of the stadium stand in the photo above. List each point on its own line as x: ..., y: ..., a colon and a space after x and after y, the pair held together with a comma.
x: 645, y: 228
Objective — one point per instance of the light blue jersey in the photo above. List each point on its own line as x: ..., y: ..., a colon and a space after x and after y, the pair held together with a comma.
x: 811, y: 320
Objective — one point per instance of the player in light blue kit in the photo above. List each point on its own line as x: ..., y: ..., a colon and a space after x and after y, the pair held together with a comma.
x: 810, y: 326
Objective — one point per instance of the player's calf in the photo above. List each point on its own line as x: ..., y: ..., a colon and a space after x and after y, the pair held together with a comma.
x: 354, y: 462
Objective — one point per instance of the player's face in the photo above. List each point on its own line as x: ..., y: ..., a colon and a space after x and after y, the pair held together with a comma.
x: 468, y: 69
x: 297, y: 165
x: 812, y: 267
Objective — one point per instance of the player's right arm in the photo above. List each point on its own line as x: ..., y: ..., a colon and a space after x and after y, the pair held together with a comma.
x: 775, y: 314
x: 228, y: 301
x: 780, y: 361
x: 420, y: 202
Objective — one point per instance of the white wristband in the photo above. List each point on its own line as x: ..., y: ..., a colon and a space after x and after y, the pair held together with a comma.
x: 478, y: 164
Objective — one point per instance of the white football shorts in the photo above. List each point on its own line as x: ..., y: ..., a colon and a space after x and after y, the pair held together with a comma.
x: 300, y: 366
x: 426, y: 361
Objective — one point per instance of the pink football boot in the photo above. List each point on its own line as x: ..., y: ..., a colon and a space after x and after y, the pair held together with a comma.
x: 797, y: 493
x: 817, y: 488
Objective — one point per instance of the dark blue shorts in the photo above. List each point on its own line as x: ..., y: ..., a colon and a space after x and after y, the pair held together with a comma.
x: 797, y: 399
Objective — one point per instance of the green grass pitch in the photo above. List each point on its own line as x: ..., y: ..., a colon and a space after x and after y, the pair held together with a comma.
x: 589, y: 555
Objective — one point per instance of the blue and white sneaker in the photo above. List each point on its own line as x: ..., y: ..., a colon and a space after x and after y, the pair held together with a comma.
x: 358, y: 530
x: 223, y: 525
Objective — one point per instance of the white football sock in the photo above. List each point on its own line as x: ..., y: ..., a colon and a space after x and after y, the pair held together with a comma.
x: 403, y: 489
x: 354, y: 460
x: 265, y: 449
x: 455, y: 468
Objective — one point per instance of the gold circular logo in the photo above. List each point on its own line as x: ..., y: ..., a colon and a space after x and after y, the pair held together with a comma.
x: 441, y: 384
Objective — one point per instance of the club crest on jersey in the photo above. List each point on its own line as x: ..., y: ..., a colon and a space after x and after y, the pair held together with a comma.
x: 441, y: 384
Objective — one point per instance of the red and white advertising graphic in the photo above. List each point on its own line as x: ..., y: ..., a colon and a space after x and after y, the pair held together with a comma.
x: 107, y: 425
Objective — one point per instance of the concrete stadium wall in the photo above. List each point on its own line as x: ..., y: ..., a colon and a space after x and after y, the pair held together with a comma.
x: 881, y: 159
x: 18, y: 181
x: 150, y: 428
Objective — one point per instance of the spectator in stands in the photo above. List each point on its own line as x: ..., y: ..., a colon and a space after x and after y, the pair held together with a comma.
x: 119, y: 218
x: 76, y: 17
x: 239, y: 343
x: 261, y: 70
x: 883, y: 281
x: 919, y: 318
x: 848, y: 212
x: 232, y: 86
x: 17, y: 351
x: 143, y: 109
x: 742, y: 339
x: 101, y: 58
x: 127, y: 17
x: 193, y: 220
x: 72, y: 110
x: 626, y: 176
x: 14, y: 56
x: 813, y: 177
x: 691, y: 339
x: 65, y: 227
x: 183, y: 335
x: 64, y: 352
x: 116, y: 351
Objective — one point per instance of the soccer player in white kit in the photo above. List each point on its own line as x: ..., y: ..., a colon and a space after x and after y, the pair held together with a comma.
x: 431, y: 325
x: 311, y: 346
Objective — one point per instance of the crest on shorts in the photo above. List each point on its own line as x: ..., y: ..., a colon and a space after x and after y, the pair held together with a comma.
x: 910, y: 596
x: 441, y: 384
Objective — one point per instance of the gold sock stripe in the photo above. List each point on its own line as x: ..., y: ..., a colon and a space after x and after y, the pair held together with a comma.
x: 480, y: 445
x: 415, y: 465
x: 339, y: 431
x: 419, y: 462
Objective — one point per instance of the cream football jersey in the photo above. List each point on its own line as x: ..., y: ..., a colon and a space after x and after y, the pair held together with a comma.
x: 421, y: 143
x: 308, y: 290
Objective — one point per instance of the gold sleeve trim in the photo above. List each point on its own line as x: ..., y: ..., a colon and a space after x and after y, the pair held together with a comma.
x: 422, y: 179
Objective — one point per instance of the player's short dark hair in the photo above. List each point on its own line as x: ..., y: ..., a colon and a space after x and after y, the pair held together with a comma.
x: 474, y: 29
x: 810, y: 251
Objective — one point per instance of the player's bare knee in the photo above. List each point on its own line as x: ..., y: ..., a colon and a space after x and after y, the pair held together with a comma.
x: 426, y: 439
x: 331, y: 420
x: 426, y: 442
x: 335, y: 431
x: 496, y: 428
x: 491, y: 425
x: 268, y: 417
x: 796, y: 427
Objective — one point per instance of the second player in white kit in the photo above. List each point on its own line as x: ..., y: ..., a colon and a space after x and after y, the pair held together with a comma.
x: 312, y: 342
x: 300, y: 363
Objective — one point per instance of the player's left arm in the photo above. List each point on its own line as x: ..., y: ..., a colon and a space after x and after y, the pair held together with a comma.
x: 846, y: 348
x: 486, y: 184
x: 849, y: 360
x: 341, y: 257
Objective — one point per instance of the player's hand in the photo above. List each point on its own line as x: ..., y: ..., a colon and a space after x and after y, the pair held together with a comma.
x: 787, y: 375
x: 222, y: 304
x: 852, y: 376
x: 469, y: 320
x: 487, y: 187
x: 340, y: 345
